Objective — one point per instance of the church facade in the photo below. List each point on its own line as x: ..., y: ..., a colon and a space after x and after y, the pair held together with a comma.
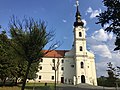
x: 73, y: 66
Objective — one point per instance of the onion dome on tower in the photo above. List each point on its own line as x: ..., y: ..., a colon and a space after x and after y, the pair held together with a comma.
x: 78, y: 21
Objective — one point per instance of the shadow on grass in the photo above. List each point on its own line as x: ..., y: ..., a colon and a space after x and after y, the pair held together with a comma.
x: 38, y: 88
x: 29, y: 86
x: 8, y: 84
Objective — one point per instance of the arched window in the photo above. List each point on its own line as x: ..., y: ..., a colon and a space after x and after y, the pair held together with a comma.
x: 62, y: 61
x: 80, y: 34
x: 80, y: 48
x: 82, y: 65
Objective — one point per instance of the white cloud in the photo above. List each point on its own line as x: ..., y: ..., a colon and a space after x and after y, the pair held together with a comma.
x: 84, y: 21
x: 85, y: 24
x: 64, y: 20
x: 74, y: 5
x: 101, y: 44
x: 102, y: 50
x: 56, y: 46
x: 89, y: 10
x: 101, y: 66
x: 93, y: 13
x: 101, y: 35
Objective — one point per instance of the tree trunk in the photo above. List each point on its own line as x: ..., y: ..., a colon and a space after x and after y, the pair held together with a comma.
x: 26, y: 75
x: 16, y: 81
x: 4, y: 80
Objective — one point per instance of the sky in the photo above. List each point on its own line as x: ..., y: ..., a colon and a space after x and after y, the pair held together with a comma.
x: 59, y: 15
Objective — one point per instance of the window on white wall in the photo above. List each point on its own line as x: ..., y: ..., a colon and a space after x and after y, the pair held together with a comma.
x: 52, y: 77
x: 80, y: 34
x: 53, y: 68
x: 81, y: 48
x: 40, y: 67
x: 72, y: 66
x: 39, y: 77
x: 62, y: 68
x: 82, y: 65
x: 62, y: 61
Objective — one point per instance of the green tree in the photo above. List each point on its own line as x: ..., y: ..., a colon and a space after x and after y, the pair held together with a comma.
x: 111, y: 16
x: 112, y: 75
x: 19, y: 69
x: 29, y: 38
x: 101, y: 81
x: 6, y: 60
x: 11, y: 66
x: 33, y: 70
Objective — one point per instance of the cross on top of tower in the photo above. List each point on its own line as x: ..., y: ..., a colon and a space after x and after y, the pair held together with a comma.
x: 78, y: 21
x: 77, y: 3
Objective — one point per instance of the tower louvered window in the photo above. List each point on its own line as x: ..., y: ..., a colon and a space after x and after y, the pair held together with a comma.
x: 80, y: 34
x: 81, y: 48
x: 82, y: 65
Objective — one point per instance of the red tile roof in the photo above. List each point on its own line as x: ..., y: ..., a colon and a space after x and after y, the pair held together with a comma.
x: 55, y: 53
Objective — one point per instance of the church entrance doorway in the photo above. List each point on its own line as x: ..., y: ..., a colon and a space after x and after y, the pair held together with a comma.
x: 82, y: 79
x: 62, y: 79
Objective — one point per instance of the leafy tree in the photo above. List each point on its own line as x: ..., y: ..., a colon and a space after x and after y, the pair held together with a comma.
x: 113, y: 74
x: 11, y: 66
x: 101, y: 81
x: 20, y: 65
x: 111, y: 16
x: 6, y: 60
x: 33, y: 70
x: 29, y: 38
x: 19, y: 69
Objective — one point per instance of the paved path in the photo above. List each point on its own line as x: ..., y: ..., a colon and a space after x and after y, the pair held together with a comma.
x: 84, y: 87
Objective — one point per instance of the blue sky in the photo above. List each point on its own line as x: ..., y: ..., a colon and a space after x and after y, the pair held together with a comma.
x: 59, y: 15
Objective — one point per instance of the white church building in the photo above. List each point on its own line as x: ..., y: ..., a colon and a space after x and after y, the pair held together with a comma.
x: 73, y: 66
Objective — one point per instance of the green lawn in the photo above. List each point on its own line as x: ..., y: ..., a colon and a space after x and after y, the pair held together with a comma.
x: 31, y: 86
x: 10, y: 88
x: 39, y: 86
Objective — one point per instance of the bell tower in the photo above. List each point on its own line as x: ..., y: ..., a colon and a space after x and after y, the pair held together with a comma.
x: 80, y: 63
x: 79, y: 33
x: 79, y: 47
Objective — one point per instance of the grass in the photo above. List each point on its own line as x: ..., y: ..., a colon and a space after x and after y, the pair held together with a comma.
x: 10, y: 88
x: 31, y: 86
x: 39, y: 86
